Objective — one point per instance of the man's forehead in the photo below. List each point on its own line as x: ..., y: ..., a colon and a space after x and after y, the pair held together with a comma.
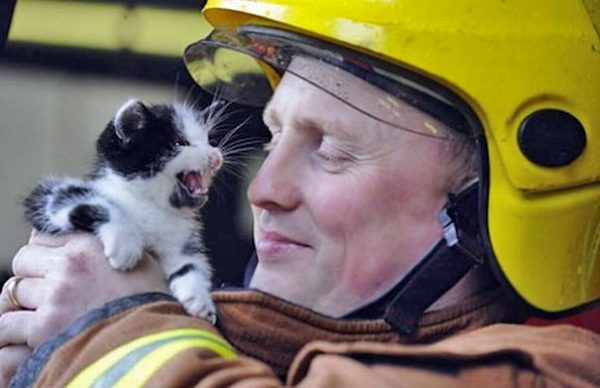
x: 332, y: 117
x: 321, y: 88
x: 315, y: 93
x: 332, y: 79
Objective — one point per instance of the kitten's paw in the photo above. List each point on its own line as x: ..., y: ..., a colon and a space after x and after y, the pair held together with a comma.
x: 123, y: 250
x: 194, y: 295
x: 201, y: 307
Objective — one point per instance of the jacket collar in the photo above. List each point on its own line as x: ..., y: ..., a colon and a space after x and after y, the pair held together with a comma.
x: 274, y: 330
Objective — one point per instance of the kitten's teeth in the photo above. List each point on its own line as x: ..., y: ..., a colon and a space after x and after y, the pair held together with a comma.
x: 206, y: 181
x: 201, y: 192
x: 194, y: 182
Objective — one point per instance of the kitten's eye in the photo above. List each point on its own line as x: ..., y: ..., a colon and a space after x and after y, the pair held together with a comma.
x: 213, y: 139
x: 181, y: 143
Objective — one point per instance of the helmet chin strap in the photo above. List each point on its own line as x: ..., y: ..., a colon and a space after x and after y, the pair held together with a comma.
x: 443, y: 266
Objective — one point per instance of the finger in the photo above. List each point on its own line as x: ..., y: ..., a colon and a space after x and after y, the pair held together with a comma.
x: 34, y: 260
x: 84, y: 240
x: 12, y: 357
x: 6, y: 304
x: 49, y: 240
x: 15, y: 326
x: 29, y: 292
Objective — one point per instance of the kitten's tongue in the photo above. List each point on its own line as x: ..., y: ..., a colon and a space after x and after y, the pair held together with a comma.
x: 193, y: 181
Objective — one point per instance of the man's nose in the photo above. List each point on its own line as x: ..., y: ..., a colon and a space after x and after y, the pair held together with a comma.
x: 276, y: 185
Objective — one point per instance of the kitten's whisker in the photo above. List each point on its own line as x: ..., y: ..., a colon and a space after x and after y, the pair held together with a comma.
x: 242, y: 147
x: 245, y: 163
x: 176, y: 96
x: 242, y: 143
x: 219, y: 119
x: 256, y: 143
x: 220, y: 116
x: 244, y: 174
x: 241, y: 161
x: 214, y: 104
x: 220, y: 108
x: 225, y: 183
x: 250, y: 140
x: 241, y: 154
x: 232, y: 132
x: 188, y: 94
x: 237, y: 169
x: 236, y: 164
x: 219, y: 128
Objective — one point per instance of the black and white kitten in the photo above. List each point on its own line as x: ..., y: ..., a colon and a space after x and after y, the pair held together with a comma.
x: 153, y: 172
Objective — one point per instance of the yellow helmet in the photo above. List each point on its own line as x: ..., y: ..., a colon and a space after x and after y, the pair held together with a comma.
x: 529, y: 73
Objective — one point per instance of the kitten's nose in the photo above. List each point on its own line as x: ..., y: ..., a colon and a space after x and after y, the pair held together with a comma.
x: 215, y: 160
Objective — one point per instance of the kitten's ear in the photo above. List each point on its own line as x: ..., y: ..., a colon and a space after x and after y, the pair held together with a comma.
x: 130, y: 119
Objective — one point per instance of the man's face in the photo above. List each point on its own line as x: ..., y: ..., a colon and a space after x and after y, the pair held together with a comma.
x: 343, y: 205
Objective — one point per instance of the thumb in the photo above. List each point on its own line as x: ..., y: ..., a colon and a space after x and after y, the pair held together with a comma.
x: 45, y: 239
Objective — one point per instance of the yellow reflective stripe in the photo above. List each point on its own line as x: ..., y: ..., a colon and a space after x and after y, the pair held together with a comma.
x: 148, y: 366
x: 97, y: 372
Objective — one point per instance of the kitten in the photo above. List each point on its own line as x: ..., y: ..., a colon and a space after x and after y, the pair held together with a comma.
x: 153, y: 172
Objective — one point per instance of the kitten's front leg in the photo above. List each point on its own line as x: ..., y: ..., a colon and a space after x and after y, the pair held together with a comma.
x: 122, y: 239
x: 191, y: 286
x: 189, y: 276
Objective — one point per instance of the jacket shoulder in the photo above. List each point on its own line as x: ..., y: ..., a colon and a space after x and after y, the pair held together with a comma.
x: 500, y: 355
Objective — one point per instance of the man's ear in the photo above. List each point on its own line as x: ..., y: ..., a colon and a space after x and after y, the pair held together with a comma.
x: 131, y: 118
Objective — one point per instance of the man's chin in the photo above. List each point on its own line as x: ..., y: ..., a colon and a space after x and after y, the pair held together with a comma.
x: 288, y: 284
x: 297, y: 290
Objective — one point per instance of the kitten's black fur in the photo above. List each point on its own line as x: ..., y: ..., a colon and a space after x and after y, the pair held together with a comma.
x: 153, y: 171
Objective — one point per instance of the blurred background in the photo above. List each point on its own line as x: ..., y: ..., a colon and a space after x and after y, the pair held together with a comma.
x: 66, y: 68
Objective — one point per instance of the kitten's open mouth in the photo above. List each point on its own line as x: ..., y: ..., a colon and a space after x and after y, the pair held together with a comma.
x: 195, y: 183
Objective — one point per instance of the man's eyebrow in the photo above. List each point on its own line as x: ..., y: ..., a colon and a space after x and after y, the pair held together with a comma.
x: 271, y: 119
x: 320, y: 124
x: 306, y: 122
x: 327, y: 126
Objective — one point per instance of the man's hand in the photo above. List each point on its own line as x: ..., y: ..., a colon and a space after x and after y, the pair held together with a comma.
x: 64, y: 277
x: 11, y: 356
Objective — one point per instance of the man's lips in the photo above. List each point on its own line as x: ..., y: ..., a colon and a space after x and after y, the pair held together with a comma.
x: 271, y: 244
x: 279, y: 238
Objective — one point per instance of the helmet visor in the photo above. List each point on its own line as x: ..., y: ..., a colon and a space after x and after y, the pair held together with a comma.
x: 246, y: 66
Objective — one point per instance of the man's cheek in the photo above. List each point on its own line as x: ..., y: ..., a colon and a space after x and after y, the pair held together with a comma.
x: 349, y: 209
x: 341, y: 214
